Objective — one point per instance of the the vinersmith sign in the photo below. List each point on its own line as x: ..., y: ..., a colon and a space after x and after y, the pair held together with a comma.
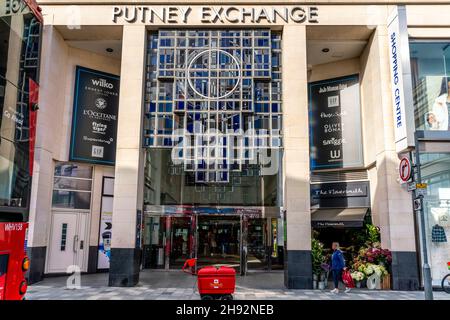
x: 214, y: 15
x: 355, y: 194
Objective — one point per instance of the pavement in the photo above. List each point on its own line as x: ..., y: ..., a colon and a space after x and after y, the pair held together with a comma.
x: 175, y: 285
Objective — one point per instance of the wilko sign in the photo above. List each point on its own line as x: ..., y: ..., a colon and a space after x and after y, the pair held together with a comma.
x: 95, y: 113
x: 404, y: 169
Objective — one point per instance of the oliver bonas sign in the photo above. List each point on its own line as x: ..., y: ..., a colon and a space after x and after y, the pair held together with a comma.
x: 94, y: 121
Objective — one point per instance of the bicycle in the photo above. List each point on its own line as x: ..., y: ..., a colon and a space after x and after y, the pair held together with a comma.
x: 445, y: 284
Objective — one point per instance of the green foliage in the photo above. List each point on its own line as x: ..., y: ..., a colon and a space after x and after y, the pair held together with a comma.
x: 373, y: 234
x: 317, y: 256
x: 367, y: 237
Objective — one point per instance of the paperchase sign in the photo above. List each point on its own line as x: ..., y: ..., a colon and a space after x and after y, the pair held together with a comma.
x: 94, y: 120
x: 214, y: 15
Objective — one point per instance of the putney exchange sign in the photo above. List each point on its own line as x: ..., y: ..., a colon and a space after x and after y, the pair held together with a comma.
x: 215, y: 15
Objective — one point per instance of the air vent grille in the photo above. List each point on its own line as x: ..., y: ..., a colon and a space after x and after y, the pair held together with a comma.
x: 334, y: 176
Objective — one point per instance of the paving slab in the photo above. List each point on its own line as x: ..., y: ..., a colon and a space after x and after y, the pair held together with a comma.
x: 159, y: 285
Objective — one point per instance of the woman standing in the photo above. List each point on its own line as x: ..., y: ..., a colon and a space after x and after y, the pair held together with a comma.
x: 337, y: 266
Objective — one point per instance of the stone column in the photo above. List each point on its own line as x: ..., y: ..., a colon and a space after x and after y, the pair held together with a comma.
x: 391, y: 203
x: 298, y: 268
x: 128, y: 184
x: 53, y: 70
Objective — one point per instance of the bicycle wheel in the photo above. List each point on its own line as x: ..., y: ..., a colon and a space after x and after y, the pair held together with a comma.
x: 446, y: 283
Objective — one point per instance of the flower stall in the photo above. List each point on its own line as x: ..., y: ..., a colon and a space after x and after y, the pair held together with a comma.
x: 368, y: 262
x: 370, y: 267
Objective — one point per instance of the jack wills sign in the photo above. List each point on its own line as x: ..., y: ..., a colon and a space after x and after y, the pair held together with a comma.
x: 335, y: 123
x: 94, y: 119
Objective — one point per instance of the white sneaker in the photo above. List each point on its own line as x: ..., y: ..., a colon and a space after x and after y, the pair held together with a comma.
x: 347, y: 290
x: 335, y: 291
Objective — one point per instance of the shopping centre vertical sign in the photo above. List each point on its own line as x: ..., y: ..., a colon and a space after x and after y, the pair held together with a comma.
x: 94, y: 119
x: 401, y: 85
x: 335, y: 123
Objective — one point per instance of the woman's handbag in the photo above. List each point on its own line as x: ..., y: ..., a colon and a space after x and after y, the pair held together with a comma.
x: 347, y: 279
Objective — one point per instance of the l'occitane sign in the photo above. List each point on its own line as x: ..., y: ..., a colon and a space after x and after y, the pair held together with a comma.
x: 215, y: 15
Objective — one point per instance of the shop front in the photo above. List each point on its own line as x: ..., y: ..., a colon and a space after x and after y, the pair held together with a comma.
x: 243, y: 238
x: 212, y: 135
x: 430, y: 61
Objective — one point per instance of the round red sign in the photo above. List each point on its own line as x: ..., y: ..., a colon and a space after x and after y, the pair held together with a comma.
x: 404, y: 169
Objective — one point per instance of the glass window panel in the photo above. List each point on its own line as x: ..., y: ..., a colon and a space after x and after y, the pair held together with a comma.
x: 73, y: 170
x: 431, y: 82
x: 71, y: 199
x: 213, y: 73
x: 72, y: 184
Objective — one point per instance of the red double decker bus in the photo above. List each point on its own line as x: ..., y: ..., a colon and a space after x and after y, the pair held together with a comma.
x: 20, y: 34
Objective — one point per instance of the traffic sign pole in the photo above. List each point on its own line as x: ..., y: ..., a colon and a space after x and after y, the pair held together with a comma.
x: 426, y: 270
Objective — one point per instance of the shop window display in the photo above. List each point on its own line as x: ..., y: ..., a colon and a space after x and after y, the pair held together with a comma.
x: 430, y: 66
x: 436, y: 173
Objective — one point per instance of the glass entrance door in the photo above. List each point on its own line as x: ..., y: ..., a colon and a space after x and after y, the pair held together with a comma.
x: 257, y: 244
x: 218, y: 241
x: 264, y: 245
x: 154, y: 242
x: 180, y: 241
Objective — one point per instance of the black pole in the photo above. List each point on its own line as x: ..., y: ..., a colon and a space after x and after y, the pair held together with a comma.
x: 426, y: 271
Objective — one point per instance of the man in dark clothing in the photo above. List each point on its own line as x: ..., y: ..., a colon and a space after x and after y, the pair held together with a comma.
x: 337, y: 266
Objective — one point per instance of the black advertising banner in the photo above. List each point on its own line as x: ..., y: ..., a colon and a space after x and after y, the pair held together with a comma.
x: 335, y: 123
x: 340, y: 195
x: 94, y: 120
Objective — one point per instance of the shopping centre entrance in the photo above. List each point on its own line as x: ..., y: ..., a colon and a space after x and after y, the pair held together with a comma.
x: 219, y: 241
x: 241, y: 241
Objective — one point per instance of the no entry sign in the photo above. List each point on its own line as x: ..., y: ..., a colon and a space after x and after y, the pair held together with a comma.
x: 404, y: 169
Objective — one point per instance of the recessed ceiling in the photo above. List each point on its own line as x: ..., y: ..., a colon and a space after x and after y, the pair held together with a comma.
x: 91, y: 32
x: 99, y: 47
x: 338, y: 50
x: 343, y: 42
x: 339, y: 33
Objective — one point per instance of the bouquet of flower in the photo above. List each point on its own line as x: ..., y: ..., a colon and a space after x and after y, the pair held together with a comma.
x: 380, y: 270
x: 375, y: 255
x: 368, y: 269
x: 358, y: 276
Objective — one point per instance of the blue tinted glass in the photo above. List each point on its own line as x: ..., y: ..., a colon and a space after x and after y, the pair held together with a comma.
x: 180, y: 105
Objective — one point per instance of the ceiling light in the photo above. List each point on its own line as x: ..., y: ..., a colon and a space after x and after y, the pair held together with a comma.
x: 325, y: 50
x: 109, y: 50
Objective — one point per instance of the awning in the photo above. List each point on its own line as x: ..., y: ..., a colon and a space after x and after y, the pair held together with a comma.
x: 338, y: 218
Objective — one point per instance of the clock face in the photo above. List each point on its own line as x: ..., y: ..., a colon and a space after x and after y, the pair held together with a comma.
x: 214, y: 74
